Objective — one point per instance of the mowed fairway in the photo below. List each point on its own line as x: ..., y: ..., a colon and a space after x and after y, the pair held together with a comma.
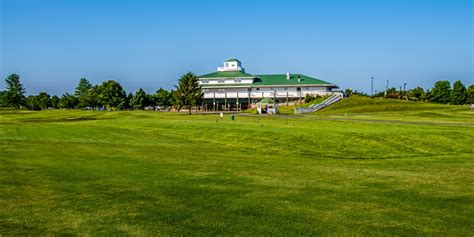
x: 348, y: 170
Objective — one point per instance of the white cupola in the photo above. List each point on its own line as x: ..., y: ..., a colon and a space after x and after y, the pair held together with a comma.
x: 231, y: 65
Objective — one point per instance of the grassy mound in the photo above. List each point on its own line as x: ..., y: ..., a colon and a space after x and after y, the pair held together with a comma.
x: 361, y: 104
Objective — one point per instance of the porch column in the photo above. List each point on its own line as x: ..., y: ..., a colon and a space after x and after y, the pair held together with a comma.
x: 249, y: 104
x: 237, y: 103
x: 225, y: 102
x: 214, y: 102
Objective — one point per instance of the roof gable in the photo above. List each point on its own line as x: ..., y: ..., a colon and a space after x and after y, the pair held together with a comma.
x: 232, y: 60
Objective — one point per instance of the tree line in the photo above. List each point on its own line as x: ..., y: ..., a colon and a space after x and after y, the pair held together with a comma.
x: 108, y: 95
x: 442, y: 92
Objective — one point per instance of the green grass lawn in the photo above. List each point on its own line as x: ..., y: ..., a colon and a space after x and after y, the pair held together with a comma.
x: 390, y: 167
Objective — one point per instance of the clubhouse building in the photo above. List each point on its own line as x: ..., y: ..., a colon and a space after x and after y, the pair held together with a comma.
x: 231, y: 88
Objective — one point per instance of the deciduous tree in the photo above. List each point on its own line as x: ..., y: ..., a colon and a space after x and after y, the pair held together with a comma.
x: 470, y: 94
x: 68, y: 101
x: 31, y: 102
x: 417, y: 92
x: 55, y: 102
x: 112, y: 95
x: 163, y: 98
x: 458, y: 94
x: 44, y: 100
x: 441, y: 92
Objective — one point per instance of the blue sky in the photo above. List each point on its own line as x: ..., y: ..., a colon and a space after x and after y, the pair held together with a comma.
x: 149, y: 44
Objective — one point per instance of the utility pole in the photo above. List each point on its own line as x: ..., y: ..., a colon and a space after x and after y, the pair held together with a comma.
x: 386, y: 89
x: 372, y: 86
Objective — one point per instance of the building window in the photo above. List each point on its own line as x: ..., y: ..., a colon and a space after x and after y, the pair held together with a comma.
x: 204, y: 81
x: 286, y: 88
x: 257, y: 89
x: 220, y: 90
x: 221, y: 81
x: 237, y: 80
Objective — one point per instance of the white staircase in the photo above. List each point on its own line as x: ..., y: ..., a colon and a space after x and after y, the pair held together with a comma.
x: 315, y: 107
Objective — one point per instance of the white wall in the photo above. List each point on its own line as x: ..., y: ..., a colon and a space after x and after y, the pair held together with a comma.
x: 262, y: 93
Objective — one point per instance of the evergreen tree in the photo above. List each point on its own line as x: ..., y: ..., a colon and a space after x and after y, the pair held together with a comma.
x: 82, y: 93
x: 129, y: 100
x: 188, y: 92
x: 139, y: 100
x: 458, y: 94
x: 15, y: 93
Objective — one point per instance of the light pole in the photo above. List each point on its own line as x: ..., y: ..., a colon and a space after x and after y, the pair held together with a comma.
x: 372, y: 86
x: 404, y: 87
x: 386, y: 89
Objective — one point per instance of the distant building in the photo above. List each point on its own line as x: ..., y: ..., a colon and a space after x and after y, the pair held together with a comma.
x: 231, y: 88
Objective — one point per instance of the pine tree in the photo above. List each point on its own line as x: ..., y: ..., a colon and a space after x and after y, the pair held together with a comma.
x: 82, y: 93
x: 15, y: 93
x: 139, y: 100
x: 188, y: 92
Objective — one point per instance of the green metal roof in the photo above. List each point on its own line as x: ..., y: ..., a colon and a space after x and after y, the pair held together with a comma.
x: 231, y: 74
x: 280, y: 79
x: 265, y: 80
x: 233, y: 60
x: 266, y: 101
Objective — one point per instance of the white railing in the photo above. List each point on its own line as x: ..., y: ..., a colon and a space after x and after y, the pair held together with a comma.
x: 315, y: 107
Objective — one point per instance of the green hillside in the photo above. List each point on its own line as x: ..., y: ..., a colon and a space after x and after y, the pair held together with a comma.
x: 362, y: 104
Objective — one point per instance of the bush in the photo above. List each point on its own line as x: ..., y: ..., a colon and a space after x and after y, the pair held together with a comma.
x: 309, y: 98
